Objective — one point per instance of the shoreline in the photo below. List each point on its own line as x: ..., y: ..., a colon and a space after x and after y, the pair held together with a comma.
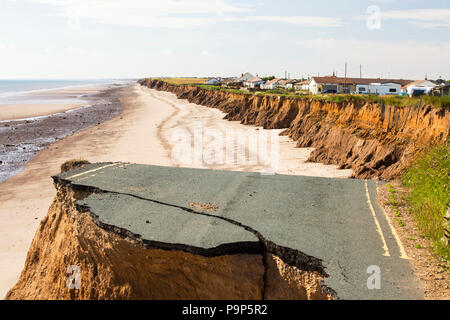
x: 37, y: 117
x: 22, y: 138
x: 22, y: 112
x: 45, y: 102
x: 131, y: 136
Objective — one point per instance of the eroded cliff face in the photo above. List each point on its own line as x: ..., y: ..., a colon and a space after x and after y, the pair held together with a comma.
x: 374, y: 140
x: 114, y: 266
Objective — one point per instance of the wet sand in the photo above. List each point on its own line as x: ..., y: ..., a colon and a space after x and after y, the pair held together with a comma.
x: 47, y: 102
x: 142, y: 133
x: 24, y: 111
x: 20, y: 140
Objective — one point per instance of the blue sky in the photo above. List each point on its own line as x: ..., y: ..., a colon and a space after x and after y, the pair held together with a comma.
x: 137, y: 38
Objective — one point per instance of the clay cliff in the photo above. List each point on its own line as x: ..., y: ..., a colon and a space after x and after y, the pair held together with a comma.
x: 374, y: 140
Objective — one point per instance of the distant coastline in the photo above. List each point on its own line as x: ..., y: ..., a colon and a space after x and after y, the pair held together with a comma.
x: 27, y: 91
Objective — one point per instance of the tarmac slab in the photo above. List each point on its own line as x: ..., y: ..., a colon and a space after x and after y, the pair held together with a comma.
x: 169, y: 227
x: 333, y: 226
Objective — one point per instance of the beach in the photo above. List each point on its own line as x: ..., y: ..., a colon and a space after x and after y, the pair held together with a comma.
x: 144, y: 131
x: 25, y: 111
x: 25, y: 129
x: 47, y: 102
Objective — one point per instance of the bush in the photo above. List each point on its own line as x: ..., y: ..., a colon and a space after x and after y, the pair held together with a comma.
x: 73, y: 164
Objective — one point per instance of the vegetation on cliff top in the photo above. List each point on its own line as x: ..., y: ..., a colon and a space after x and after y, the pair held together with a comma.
x: 429, y: 182
x: 183, y: 81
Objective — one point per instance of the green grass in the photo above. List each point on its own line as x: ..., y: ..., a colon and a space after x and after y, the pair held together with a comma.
x: 183, y: 81
x: 394, y: 204
x: 429, y: 182
x: 219, y: 88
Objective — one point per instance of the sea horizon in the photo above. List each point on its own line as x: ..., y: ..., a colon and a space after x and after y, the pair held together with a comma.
x: 18, y: 91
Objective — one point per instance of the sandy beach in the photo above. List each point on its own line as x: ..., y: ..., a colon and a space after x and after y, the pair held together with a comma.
x: 143, y: 133
x: 47, y: 102
x: 25, y: 111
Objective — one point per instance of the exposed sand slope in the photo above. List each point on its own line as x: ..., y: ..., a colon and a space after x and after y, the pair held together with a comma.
x: 136, y: 135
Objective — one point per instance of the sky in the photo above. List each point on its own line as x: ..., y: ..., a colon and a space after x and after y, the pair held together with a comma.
x: 93, y: 39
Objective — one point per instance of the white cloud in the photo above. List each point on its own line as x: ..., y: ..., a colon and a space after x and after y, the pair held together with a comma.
x: 168, y: 52
x: 170, y: 13
x: 145, y: 13
x: 205, y: 53
x: 7, y: 46
x: 76, y: 51
x: 423, y: 18
x: 426, y: 18
x: 299, y: 20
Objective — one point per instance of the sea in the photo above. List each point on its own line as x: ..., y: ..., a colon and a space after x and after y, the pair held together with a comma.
x: 21, y: 139
x: 19, y: 91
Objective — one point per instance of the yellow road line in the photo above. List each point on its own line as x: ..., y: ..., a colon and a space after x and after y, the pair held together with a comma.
x: 403, y: 254
x: 90, y: 171
x: 377, y: 223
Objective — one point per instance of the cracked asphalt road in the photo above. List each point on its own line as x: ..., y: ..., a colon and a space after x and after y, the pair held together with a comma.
x: 336, y: 221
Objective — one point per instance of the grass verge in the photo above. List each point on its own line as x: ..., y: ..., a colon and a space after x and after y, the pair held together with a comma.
x: 429, y: 183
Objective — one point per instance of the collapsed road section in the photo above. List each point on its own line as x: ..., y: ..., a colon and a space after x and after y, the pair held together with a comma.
x: 148, y: 232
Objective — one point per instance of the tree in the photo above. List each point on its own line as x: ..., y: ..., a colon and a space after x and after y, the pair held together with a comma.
x: 268, y: 78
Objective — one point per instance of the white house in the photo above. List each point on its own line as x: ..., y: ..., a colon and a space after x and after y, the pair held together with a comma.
x: 379, y: 88
x: 244, y: 77
x: 272, y: 84
x: 212, y: 81
x: 315, y: 87
x: 287, y: 84
x: 423, y: 86
x: 253, y: 82
x: 303, y: 85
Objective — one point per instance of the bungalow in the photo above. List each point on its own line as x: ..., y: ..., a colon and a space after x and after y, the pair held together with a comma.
x: 419, y: 87
x: 287, y: 84
x: 244, y: 77
x: 379, y: 88
x: 228, y: 80
x: 302, y: 85
x: 213, y: 81
x: 254, y: 82
x: 442, y: 90
x: 272, y: 84
x: 333, y: 84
